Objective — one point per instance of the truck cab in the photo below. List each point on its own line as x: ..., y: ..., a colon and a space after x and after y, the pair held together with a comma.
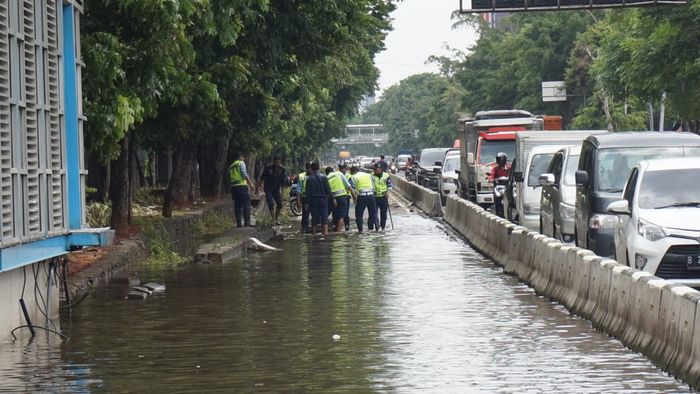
x: 482, y: 137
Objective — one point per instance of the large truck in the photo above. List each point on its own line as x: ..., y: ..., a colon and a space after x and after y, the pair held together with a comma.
x: 482, y: 137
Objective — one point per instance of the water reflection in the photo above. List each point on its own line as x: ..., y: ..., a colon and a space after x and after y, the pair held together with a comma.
x: 415, y: 309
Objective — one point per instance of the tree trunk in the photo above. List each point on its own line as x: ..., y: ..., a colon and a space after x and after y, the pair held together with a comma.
x: 650, y: 107
x: 606, y: 111
x: 120, y: 191
x: 134, y: 173
x: 178, y: 191
x: 212, y: 167
x: 662, y: 111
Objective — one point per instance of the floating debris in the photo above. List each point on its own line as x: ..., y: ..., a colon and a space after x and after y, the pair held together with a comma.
x: 256, y: 244
x: 137, y: 295
x: 336, y: 337
x: 141, y: 289
x: 155, y: 287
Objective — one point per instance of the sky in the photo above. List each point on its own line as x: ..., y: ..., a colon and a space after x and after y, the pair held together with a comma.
x: 421, y: 28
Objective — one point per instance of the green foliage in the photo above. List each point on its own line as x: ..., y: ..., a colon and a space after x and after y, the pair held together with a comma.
x: 161, y: 248
x: 98, y: 215
x: 211, y: 224
x: 429, y: 103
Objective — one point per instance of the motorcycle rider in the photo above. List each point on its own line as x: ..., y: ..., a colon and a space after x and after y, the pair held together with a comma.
x: 501, y: 169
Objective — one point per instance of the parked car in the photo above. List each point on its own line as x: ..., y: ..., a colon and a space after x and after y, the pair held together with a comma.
x: 447, y: 184
x: 658, y: 226
x: 557, y: 205
x: 429, y: 167
x: 604, y: 165
x: 533, y: 152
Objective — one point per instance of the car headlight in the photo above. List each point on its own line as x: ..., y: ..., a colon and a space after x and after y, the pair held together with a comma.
x: 602, y: 221
x: 531, y: 209
x: 567, y: 212
x: 650, y: 231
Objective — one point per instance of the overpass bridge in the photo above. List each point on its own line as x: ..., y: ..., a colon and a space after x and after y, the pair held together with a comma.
x: 361, y: 134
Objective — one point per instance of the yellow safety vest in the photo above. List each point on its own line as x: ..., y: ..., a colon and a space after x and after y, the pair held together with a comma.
x: 235, y: 175
x: 381, y: 184
x: 364, y: 184
x: 335, y: 179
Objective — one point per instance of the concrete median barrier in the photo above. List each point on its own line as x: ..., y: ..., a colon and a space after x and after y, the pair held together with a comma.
x: 599, y: 291
x: 427, y: 200
x: 646, y: 313
x: 619, y: 301
x: 669, y: 328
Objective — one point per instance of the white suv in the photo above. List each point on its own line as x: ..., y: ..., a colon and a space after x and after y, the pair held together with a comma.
x: 447, y: 184
x: 658, y: 228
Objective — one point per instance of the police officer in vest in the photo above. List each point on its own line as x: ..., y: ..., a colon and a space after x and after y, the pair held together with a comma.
x: 363, y: 185
x: 240, y: 181
x: 343, y: 168
x: 301, y: 181
x: 341, y: 191
x: 382, y: 183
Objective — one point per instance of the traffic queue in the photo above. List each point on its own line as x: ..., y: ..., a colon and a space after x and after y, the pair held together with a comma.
x: 630, y: 196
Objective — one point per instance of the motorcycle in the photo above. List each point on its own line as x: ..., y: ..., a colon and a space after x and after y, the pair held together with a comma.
x: 499, y: 192
x: 294, y: 204
x: 392, y: 168
x: 410, y: 172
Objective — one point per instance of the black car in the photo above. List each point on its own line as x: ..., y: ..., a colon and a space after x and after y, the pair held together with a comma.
x: 604, y: 165
x: 429, y: 167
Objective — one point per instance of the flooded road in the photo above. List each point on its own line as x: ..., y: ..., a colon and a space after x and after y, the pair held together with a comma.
x: 416, y: 310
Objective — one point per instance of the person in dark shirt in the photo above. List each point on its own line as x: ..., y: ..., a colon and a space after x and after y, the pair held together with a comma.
x: 317, y: 191
x: 274, y: 178
x: 382, y: 163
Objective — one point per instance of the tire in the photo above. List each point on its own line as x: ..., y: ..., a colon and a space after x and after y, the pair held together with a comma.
x: 295, y: 208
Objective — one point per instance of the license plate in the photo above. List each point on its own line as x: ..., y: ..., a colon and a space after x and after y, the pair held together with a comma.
x: 694, y: 263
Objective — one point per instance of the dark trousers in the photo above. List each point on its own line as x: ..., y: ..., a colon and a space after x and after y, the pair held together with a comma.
x: 383, y: 207
x: 342, y: 207
x: 319, y: 210
x: 371, y: 205
x: 304, y: 215
x: 241, y: 204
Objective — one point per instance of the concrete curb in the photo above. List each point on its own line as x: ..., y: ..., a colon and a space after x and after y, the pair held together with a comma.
x: 648, y: 314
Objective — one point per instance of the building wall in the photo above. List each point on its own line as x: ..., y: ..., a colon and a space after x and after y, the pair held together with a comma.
x: 11, y: 285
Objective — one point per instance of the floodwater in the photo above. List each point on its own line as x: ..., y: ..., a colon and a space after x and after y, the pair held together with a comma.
x: 413, y: 310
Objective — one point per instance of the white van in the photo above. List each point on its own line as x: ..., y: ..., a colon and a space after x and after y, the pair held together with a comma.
x: 533, y: 152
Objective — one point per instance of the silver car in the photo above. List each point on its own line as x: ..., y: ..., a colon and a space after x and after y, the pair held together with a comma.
x: 558, y: 201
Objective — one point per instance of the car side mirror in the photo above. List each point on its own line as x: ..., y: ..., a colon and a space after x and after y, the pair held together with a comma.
x: 582, y: 178
x: 621, y: 207
x: 438, y: 164
x: 458, y: 172
x: 470, y: 158
x: 546, y: 180
x: 518, y: 176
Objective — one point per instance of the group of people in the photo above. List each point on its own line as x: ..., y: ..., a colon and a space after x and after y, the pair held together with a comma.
x: 330, y: 192
x: 321, y: 194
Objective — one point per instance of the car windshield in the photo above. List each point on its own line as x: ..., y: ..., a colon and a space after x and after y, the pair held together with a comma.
x: 614, y: 165
x: 570, y: 170
x: 670, y: 188
x: 402, y: 160
x: 451, y: 164
x: 489, y: 150
x: 538, y: 166
x: 429, y: 157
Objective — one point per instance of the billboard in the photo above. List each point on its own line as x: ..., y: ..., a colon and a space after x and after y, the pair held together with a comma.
x: 481, y: 6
